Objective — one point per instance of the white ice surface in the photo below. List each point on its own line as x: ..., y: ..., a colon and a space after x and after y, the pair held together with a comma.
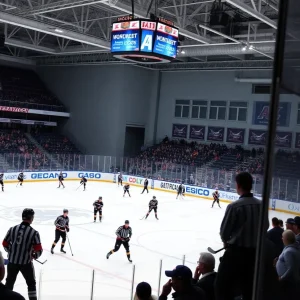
x: 185, y: 227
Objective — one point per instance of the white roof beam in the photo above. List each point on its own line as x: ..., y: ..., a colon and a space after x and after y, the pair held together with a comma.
x: 252, y: 12
x: 48, y: 29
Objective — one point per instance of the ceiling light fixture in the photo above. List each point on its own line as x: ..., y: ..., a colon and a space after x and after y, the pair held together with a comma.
x: 58, y: 30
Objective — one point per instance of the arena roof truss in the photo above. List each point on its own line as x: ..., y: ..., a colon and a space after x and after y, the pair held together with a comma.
x: 75, y: 32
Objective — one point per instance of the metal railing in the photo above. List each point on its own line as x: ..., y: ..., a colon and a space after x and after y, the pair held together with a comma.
x: 287, y: 189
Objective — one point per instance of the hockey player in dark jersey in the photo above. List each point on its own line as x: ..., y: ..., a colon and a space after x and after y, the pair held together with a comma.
x: 62, y: 227
x: 60, y: 180
x: 216, y: 196
x: 98, y: 204
x: 120, y: 179
x: 1, y: 181
x: 152, y: 206
x: 146, y: 182
x: 180, y: 191
x: 126, y: 189
x: 21, y: 178
x: 124, y: 234
x: 83, y: 181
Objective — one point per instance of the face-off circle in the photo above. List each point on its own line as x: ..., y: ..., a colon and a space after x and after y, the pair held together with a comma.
x: 46, y: 215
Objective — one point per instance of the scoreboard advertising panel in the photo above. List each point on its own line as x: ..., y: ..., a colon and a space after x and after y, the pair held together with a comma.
x: 145, y: 36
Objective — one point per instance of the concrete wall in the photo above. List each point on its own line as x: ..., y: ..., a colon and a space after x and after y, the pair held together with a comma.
x: 102, y: 100
x: 212, y: 85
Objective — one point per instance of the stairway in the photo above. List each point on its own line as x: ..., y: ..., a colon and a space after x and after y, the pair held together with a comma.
x: 55, y: 165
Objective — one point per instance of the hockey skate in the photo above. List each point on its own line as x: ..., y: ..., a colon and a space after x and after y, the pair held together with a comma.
x: 63, y: 251
x: 52, y: 252
x: 108, y: 255
x: 129, y: 260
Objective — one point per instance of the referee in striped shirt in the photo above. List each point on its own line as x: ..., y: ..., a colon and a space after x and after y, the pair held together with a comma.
x: 124, y: 234
x: 239, y: 230
x: 23, y: 244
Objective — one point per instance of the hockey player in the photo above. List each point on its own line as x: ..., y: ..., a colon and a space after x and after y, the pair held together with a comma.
x: 62, y: 227
x: 120, y: 179
x: 1, y: 181
x: 60, y: 180
x: 180, y: 191
x: 21, y: 178
x: 124, y: 234
x: 152, y: 206
x: 145, y: 186
x: 126, y: 189
x: 216, y: 196
x: 98, y: 204
x: 83, y: 181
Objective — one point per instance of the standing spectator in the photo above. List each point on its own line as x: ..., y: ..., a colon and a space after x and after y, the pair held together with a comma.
x: 281, y: 224
x: 288, y: 266
x: 206, y: 266
x: 275, y: 235
x: 182, y: 284
x: 143, y: 292
x: 297, y: 228
x: 239, y: 230
x: 289, y: 224
x: 5, y: 293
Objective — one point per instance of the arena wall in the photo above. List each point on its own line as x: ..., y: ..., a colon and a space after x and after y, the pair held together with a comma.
x: 102, y: 100
x: 170, y: 187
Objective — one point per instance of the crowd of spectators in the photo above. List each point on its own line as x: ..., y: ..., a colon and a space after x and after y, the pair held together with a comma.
x: 24, y: 88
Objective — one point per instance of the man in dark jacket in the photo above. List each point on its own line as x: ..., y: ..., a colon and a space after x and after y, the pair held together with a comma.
x: 297, y: 228
x: 289, y: 224
x: 206, y: 266
x: 275, y: 235
x: 181, y: 282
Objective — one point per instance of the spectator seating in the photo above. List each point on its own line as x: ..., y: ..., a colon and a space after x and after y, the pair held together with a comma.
x: 25, y: 89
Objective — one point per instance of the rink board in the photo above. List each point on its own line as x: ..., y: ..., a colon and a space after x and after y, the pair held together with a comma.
x: 171, y: 187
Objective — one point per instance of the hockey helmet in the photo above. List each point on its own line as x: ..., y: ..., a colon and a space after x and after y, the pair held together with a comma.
x: 154, y: 197
x: 100, y: 198
x: 66, y: 211
x: 126, y: 222
x: 27, y: 214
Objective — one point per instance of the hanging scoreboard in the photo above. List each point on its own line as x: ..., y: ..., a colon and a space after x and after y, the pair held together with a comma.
x: 144, y: 41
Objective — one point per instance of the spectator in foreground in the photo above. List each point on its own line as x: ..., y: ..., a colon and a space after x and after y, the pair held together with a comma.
x: 5, y: 293
x: 288, y: 266
x: 144, y: 292
x: 289, y: 224
x: 275, y: 235
x: 296, y: 228
x: 206, y: 266
x: 281, y: 224
x: 181, y: 282
x: 239, y: 230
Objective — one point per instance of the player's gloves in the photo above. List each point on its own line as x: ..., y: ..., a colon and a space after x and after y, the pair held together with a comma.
x: 68, y: 229
x: 34, y: 255
x: 127, y: 239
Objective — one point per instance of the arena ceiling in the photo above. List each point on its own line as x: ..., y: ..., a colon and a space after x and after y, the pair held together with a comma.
x: 215, y: 34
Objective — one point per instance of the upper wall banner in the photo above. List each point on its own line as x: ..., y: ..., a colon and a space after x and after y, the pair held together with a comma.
x: 179, y: 131
x: 215, y: 134
x: 297, y: 141
x: 284, y: 139
x: 235, y: 135
x: 257, y: 137
x: 261, y: 113
x: 197, y: 132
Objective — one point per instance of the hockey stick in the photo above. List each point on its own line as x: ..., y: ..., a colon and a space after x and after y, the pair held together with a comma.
x: 143, y: 217
x: 69, y: 244
x: 215, y: 251
x: 79, y: 186
x: 40, y: 262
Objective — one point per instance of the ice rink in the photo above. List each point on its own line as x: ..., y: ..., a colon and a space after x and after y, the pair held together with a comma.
x: 185, y: 227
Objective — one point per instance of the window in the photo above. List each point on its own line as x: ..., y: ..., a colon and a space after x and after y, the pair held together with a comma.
x: 237, y: 111
x: 199, y: 109
x: 182, y: 108
x: 298, y: 115
x: 217, y: 110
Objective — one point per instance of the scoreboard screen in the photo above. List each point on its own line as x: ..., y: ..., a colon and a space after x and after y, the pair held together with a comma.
x: 125, y: 36
x: 144, y: 36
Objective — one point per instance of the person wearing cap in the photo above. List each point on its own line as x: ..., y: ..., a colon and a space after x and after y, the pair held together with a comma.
x: 239, y: 231
x: 297, y: 228
x: 206, y: 266
x: 124, y: 234
x: 275, y: 235
x: 289, y: 224
x: 143, y: 292
x: 181, y: 283
x: 288, y: 266
x: 6, y: 293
